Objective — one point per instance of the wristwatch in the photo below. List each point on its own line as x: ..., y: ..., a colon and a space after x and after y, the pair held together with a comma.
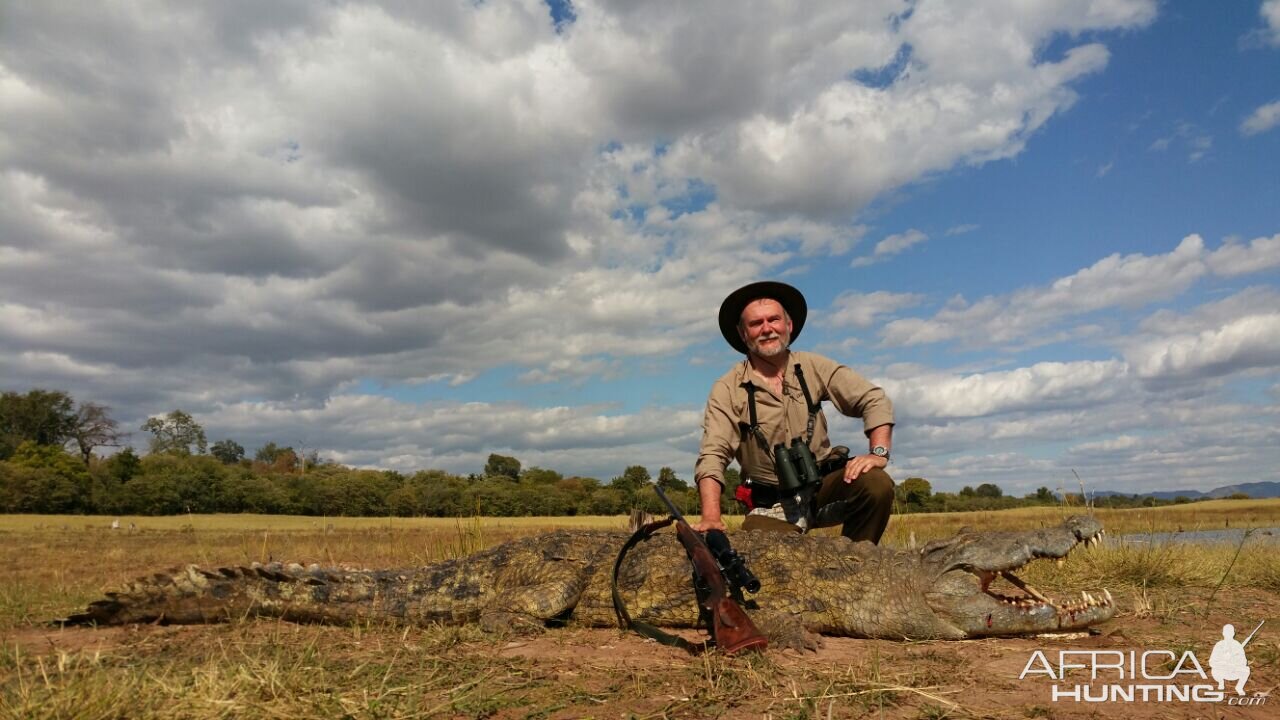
x: 880, y: 451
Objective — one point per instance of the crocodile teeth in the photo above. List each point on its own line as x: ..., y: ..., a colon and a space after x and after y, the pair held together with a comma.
x: 1026, y: 588
x: 1062, y: 562
x: 1108, y: 594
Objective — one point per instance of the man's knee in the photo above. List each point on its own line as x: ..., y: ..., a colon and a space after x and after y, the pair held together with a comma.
x: 878, y: 486
x: 869, y: 508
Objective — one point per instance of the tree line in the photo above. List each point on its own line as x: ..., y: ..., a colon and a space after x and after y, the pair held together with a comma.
x: 916, y: 495
x: 48, y: 465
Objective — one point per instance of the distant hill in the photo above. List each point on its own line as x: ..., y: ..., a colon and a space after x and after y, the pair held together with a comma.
x: 1253, y: 490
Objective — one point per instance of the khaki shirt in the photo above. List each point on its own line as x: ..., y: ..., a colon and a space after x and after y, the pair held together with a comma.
x: 781, y: 418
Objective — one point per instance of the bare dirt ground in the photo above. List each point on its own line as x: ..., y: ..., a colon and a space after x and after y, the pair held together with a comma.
x: 266, y: 668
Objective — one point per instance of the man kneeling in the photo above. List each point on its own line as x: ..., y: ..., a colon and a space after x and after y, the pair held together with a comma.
x: 766, y: 413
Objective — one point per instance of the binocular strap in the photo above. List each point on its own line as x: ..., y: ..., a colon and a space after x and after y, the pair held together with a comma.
x: 754, y: 427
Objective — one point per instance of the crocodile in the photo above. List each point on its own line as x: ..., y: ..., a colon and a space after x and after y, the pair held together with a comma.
x: 961, y: 587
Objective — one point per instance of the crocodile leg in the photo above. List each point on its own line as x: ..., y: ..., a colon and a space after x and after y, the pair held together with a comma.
x: 532, y: 606
x: 536, y: 593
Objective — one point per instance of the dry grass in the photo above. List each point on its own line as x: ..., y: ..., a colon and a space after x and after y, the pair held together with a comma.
x: 54, y: 565
x: 1165, y: 565
x: 256, y: 669
x: 1208, y: 515
x: 294, y: 523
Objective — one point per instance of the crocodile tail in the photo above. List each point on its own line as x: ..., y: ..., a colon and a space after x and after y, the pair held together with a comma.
x: 194, y: 595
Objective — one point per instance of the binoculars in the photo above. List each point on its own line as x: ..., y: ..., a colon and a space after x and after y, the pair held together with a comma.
x: 796, y: 466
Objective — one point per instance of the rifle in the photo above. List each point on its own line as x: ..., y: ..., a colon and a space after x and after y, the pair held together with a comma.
x: 1255, y: 632
x: 731, y: 629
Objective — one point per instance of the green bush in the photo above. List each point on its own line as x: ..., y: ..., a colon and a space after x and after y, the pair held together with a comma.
x: 60, y: 483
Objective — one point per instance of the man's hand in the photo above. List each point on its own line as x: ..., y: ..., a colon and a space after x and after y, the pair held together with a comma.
x: 862, y: 463
x: 709, y: 524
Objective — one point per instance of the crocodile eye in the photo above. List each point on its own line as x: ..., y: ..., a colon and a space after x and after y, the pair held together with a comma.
x: 935, y: 546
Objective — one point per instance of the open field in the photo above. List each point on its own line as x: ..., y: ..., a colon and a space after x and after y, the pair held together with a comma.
x: 1172, y: 596
x: 1207, y: 515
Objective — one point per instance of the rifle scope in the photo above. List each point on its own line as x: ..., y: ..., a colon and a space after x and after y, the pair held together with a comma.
x: 731, y: 562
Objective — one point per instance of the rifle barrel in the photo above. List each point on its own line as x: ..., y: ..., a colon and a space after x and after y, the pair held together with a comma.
x: 670, y: 505
x: 1255, y: 632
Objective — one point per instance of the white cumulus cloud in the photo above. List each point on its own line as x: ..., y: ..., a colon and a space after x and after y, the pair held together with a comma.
x: 860, y: 310
x: 1262, y: 119
x: 1244, y: 343
x: 1270, y: 12
x: 890, y: 246
x: 1235, y: 258
x: 1115, y: 281
x: 937, y: 396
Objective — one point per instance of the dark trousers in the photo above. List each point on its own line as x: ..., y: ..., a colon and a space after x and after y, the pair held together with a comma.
x: 861, y: 508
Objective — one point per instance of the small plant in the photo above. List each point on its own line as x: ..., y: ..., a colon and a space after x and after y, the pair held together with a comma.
x: 1142, y: 606
x: 929, y: 711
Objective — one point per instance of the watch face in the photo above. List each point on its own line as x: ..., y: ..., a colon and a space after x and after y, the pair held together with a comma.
x: 879, y: 450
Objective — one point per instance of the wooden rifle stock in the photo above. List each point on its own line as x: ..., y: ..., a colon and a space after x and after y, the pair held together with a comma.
x: 730, y: 626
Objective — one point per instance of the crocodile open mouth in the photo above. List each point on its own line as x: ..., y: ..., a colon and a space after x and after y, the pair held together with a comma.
x: 1025, y: 596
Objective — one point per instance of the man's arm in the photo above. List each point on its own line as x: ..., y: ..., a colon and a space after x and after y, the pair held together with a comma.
x: 719, y: 443
x: 855, y: 396
x: 880, y: 435
x: 709, y: 495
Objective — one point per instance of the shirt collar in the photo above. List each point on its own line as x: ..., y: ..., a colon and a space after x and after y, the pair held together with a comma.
x: 745, y: 373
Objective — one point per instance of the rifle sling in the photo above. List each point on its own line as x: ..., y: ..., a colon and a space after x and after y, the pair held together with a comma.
x: 644, y: 532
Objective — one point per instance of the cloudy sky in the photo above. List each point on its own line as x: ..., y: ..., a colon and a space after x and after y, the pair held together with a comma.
x: 412, y: 234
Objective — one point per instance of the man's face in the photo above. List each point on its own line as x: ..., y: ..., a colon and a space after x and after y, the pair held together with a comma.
x: 765, y: 328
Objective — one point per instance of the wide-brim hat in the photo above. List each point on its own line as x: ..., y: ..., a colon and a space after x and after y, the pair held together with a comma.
x: 731, y: 309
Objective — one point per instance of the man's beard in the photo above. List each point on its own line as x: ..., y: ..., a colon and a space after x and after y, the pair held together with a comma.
x: 781, y: 347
